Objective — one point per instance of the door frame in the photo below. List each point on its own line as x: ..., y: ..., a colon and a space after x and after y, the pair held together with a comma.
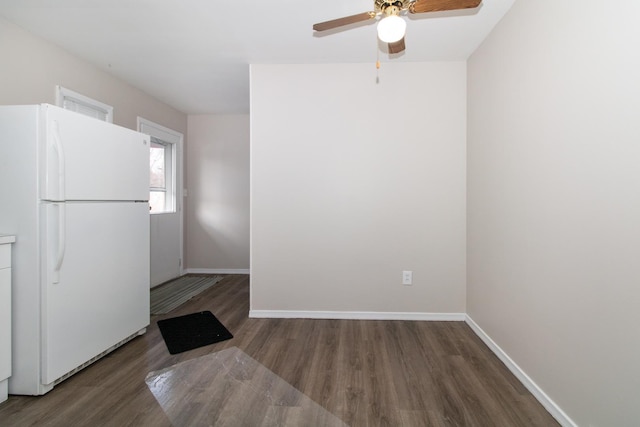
x: 174, y: 137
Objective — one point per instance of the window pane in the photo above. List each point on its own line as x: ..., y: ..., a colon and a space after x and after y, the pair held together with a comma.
x: 157, y: 201
x: 157, y: 166
x: 161, y: 177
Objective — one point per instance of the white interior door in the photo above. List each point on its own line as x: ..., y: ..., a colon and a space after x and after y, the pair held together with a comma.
x: 166, y: 200
x: 166, y: 261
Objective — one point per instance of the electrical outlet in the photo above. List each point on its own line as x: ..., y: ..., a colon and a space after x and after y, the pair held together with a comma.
x: 407, y: 277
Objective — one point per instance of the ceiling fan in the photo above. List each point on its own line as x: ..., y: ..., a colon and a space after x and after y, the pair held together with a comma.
x: 391, y: 27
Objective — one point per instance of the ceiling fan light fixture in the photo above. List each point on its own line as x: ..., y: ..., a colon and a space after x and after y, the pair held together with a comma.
x: 391, y: 29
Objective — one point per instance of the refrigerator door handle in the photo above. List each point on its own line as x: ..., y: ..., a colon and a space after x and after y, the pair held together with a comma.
x: 57, y: 145
x: 62, y: 244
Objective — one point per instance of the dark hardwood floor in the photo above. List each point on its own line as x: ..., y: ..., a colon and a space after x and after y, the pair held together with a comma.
x: 367, y: 373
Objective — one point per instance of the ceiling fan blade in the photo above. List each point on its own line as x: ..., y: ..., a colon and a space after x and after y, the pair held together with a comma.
x: 397, y: 47
x: 421, y: 6
x: 335, y: 23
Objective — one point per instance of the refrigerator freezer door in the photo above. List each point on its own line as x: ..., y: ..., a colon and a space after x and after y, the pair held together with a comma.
x: 87, y: 159
x: 102, y: 294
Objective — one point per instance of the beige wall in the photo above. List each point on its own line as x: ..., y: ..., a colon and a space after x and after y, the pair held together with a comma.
x: 353, y: 182
x: 31, y: 68
x: 217, y: 214
x: 554, y: 201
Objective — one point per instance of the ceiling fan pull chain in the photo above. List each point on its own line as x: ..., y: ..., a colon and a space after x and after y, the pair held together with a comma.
x: 377, y: 64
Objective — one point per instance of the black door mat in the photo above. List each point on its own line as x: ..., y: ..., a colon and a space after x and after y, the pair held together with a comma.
x: 194, y: 330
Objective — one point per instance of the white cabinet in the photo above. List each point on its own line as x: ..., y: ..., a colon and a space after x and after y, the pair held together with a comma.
x: 5, y: 313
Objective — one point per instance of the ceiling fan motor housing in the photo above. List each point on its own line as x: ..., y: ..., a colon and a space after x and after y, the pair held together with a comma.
x: 391, y: 7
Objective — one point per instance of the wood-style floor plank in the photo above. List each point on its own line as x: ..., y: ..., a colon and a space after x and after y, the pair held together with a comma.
x: 366, y: 373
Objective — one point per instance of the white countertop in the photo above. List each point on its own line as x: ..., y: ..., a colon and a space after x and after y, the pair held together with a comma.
x: 5, y: 238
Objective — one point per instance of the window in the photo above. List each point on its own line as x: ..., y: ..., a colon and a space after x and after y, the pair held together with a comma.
x: 165, y: 167
x: 161, y: 195
x: 79, y: 103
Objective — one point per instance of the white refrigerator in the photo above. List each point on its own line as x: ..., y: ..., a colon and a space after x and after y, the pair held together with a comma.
x: 74, y: 191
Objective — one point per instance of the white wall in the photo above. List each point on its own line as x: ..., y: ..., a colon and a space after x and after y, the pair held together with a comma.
x: 353, y: 182
x: 554, y: 201
x: 32, y: 67
x: 217, y: 209
x: 217, y: 206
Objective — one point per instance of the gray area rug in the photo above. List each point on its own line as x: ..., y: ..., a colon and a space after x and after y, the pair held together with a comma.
x: 170, y: 295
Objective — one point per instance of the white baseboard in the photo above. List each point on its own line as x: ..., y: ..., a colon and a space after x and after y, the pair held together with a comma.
x: 555, y: 411
x: 216, y: 271
x: 356, y: 315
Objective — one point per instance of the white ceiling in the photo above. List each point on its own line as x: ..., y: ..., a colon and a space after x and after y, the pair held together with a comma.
x: 194, y: 54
